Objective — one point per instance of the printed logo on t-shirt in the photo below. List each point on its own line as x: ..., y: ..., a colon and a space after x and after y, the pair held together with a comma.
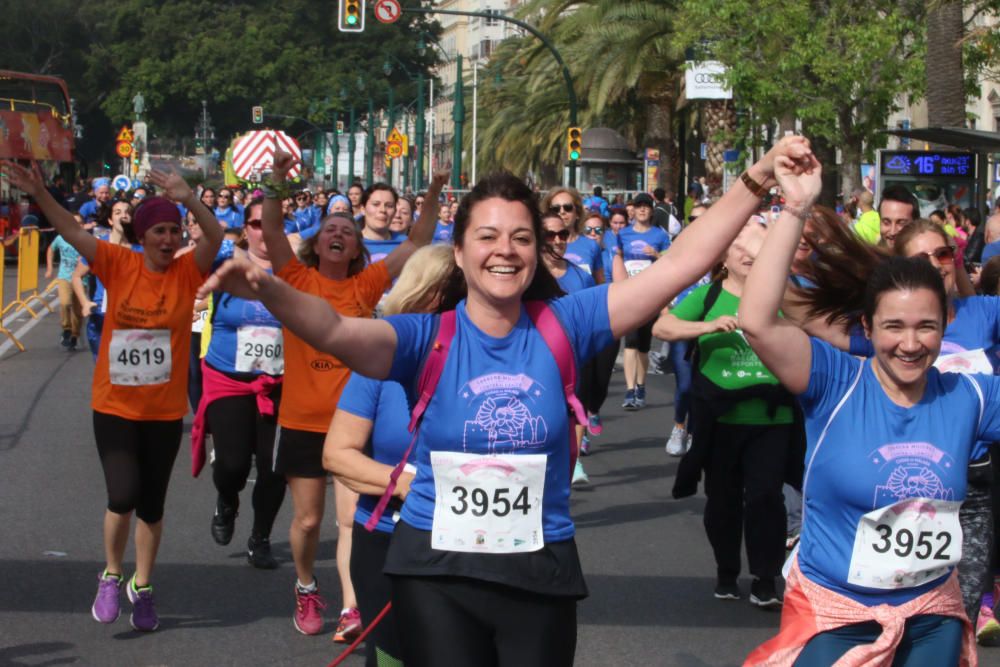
x: 129, y: 315
x: 379, y: 256
x: 911, y: 470
x: 503, y: 420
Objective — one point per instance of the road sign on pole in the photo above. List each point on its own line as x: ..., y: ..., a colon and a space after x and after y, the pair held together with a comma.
x: 121, y: 182
x: 388, y: 11
x: 125, y: 135
x: 123, y: 149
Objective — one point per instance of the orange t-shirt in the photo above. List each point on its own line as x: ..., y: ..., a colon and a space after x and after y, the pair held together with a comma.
x: 142, y: 364
x: 313, y: 379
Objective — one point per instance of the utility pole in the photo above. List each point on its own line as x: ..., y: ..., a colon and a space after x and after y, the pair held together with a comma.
x: 205, y: 133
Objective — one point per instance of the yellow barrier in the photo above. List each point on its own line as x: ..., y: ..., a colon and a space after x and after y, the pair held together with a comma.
x: 4, y: 330
x: 27, y: 273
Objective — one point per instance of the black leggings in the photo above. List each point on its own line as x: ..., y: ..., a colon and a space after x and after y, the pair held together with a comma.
x: 240, y: 433
x: 456, y: 622
x: 641, y: 338
x: 595, y: 376
x: 137, y: 457
x: 373, y: 588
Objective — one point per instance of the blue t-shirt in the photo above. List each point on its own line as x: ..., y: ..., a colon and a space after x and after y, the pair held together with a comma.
x: 88, y: 211
x: 443, y: 233
x: 636, y: 247
x: 383, y: 404
x: 991, y: 250
x: 380, y: 249
x: 304, y: 218
x: 68, y: 258
x: 610, y: 246
x: 499, y: 395
x: 874, y: 453
x: 585, y: 253
x: 231, y: 216
x: 575, y: 279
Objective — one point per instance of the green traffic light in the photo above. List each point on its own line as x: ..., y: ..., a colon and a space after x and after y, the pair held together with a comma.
x: 352, y: 19
x: 575, y: 155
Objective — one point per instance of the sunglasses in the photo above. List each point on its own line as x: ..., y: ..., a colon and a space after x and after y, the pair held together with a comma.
x: 301, y: 198
x: 562, y: 235
x: 224, y: 197
x: 593, y: 230
x: 566, y: 208
x: 253, y: 223
x: 944, y: 254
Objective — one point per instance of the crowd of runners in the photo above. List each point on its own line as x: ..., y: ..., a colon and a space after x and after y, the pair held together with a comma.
x: 446, y: 362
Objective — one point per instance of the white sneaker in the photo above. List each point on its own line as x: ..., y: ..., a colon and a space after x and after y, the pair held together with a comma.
x: 676, y: 444
x: 579, y: 476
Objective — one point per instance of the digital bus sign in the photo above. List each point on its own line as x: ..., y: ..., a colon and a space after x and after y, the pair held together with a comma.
x: 928, y: 164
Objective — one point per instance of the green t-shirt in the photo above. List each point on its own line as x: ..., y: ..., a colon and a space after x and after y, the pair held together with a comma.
x: 727, y: 360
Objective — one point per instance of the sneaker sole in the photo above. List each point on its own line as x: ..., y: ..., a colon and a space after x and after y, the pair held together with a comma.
x: 764, y: 604
x: 131, y: 618
x: 726, y: 596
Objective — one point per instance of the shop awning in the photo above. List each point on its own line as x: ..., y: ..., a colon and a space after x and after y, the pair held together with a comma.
x: 959, y: 137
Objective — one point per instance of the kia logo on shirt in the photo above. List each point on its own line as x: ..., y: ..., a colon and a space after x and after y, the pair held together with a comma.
x: 322, y: 365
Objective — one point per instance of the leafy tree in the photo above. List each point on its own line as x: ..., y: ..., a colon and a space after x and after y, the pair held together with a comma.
x: 837, y: 65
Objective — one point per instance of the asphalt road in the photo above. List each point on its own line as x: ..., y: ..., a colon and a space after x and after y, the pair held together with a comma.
x: 647, y: 561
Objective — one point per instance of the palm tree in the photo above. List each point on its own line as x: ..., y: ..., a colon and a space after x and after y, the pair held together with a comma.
x: 945, y: 76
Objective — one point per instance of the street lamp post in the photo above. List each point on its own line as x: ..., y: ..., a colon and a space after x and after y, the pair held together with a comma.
x: 352, y: 144
x: 370, y: 156
x: 458, y: 117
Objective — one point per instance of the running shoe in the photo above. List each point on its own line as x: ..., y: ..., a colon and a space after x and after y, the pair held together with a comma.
x: 143, y: 618
x: 223, y: 522
x: 629, y: 402
x: 763, y: 594
x: 309, y: 608
x: 259, y: 553
x: 594, y: 423
x: 72, y: 343
x: 64, y: 341
x: 579, y: 475
x: 107, y: 605
x: 348, y: 627
x: 726, y: 589
x: 640, y: 396
x: 675, y: 444
x: 584, y: 445
x: 654, y: 369
x: 987, y: 627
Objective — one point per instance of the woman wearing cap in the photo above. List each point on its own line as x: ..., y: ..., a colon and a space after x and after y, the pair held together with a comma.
x: 506, y: 597
x: 642, y: 244
x: 332, y: 265
x: 140, y: 381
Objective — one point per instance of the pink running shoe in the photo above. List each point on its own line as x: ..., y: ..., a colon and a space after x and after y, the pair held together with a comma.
x: 309, y: 608
x: 348, y: 627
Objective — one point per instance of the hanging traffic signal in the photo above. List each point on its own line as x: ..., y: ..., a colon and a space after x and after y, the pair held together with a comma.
x: 351, y: 15
x: 258, y: 115
x: 574, y: 143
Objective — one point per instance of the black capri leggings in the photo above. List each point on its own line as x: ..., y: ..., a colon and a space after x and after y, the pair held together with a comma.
x: 641, y: 338
x: 240, y: 433
x: 456, y: 622
x: 373, y: 588
x: 595, y: 376
x: 137, y: 457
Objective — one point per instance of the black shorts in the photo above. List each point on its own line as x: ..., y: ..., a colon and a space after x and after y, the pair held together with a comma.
x: 641, y: 338
x: 300, y: 453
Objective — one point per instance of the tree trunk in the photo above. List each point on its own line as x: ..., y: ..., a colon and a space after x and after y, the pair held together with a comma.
x: 850, y: 164
x: 719, y: 126
x: 659, y: 96
x: 945, y: 81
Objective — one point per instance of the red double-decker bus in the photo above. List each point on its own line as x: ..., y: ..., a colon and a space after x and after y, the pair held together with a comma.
x: 36, y: 123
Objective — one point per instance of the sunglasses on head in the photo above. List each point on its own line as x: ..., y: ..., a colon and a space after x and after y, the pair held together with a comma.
x: 566, y: 208
x: 944, y: 254
x: 562, y: 235
x: 593, y: 230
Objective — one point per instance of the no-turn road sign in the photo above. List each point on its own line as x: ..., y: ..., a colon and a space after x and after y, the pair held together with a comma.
x: 388, y: 11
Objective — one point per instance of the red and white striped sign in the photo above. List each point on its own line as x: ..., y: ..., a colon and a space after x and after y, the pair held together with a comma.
x: 254, y: 153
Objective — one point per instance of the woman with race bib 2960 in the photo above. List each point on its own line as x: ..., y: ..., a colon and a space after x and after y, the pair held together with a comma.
x: 485, y: 571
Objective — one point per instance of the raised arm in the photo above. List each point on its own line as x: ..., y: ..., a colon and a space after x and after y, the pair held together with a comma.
x: 642, y: 297
x: 366, y: 346
x: 279, y: 248
x: 423, y: 232
x: 31, y: 182
x: 212, y: 233
x: 781, y: 345
x: 343, y: 455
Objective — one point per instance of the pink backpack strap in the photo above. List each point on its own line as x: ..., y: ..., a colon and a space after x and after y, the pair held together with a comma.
x: 552, y: 332
x: 434, y: 362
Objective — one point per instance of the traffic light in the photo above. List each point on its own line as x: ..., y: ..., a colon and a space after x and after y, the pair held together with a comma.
x: 351, y: 15
x: 340, y: 127
x: 574, y: 143
x: 258, y: 115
